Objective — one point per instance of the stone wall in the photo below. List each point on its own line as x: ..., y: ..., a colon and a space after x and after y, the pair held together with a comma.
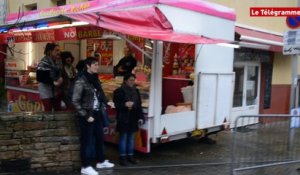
x: 38, y: 142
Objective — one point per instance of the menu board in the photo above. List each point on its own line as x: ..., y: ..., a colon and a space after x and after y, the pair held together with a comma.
x: 14, y: 64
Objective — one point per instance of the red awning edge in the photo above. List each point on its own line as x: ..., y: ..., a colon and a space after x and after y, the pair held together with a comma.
x: 275, y: 42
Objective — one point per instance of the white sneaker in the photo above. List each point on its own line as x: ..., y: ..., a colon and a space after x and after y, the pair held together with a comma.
x: 105, y: 164
x: 89, y: 171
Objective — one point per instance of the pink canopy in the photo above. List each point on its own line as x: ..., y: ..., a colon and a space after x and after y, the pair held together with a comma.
x: 133, y: 17
x: 142, y: 18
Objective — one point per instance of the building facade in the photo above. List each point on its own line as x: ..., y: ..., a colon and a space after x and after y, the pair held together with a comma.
x: 263, y: 73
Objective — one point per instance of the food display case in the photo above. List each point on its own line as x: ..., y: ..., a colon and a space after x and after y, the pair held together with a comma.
x: 109, y: 84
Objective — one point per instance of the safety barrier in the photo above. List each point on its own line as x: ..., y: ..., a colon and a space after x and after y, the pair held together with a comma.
x: 266, y: 144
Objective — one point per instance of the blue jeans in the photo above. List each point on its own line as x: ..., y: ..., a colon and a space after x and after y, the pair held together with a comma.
x: 126, y: 143
x: 91, y: 140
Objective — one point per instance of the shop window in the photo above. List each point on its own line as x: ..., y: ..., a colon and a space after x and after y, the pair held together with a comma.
x: 238, y: 86
x: 30, y: 7
x: 268, y: 85
x: 251, y: 85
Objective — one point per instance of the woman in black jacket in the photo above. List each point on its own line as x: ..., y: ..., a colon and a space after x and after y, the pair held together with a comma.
x: 129, y: 115
x: 87, y: 99
x: 68, y: 74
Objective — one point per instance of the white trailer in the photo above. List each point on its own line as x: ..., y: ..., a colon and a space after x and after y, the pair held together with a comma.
x: 185, y: 21
x: 213, y: 84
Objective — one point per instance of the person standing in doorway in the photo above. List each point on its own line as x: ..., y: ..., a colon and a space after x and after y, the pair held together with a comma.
x: 88, y: 98
x: 129, y: 116
x: 49, y: 77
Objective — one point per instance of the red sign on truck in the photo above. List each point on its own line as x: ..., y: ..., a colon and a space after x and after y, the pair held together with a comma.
x: 43, y: 36
x: 65, y: 34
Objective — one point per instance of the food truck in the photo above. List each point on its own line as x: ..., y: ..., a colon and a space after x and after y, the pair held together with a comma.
x: 184, y: 72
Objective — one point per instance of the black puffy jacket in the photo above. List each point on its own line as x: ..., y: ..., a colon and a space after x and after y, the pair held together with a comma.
x: 83, y: 97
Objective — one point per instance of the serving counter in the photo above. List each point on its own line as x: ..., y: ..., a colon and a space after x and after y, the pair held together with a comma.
x: 22, y: 99
x: 171, y: 90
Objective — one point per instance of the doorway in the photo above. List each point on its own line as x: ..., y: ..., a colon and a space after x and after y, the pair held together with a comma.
x: 246, y: 91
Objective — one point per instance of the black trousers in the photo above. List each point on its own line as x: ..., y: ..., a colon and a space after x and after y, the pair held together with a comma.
x: 91, y: 140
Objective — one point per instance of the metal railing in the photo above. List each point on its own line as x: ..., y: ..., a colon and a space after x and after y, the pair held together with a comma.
x: 266, y: 144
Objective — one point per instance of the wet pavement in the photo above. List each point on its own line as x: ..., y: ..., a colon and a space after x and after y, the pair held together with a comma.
x: 184, y: 157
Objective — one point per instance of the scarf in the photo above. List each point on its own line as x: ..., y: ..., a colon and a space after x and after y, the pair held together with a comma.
x: 70, y: 71
x: 131, y: 94
x: 93, y: 80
